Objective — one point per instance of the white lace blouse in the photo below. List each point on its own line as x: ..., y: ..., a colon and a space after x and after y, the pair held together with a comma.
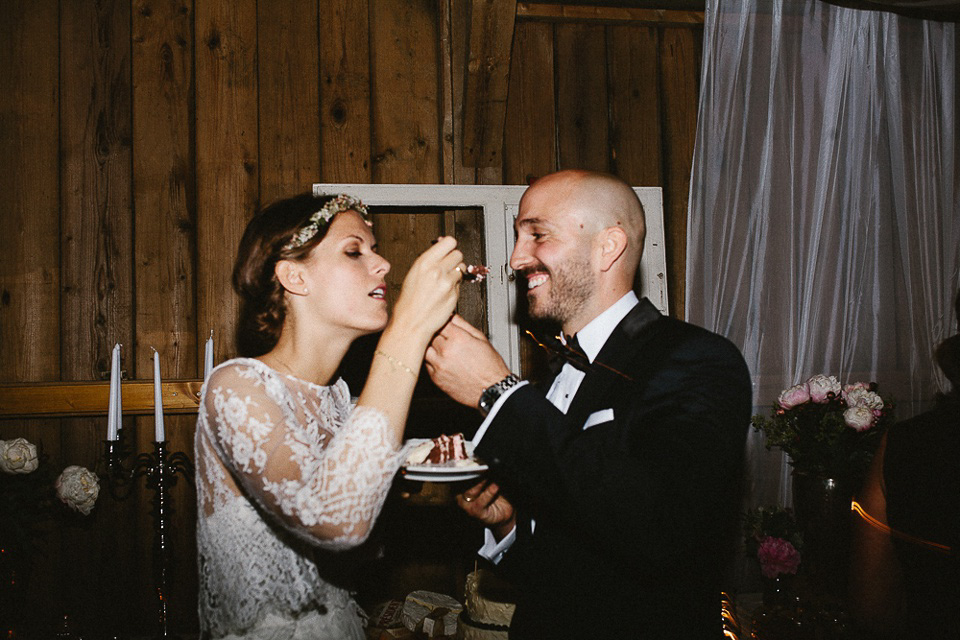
x: 283, y: 466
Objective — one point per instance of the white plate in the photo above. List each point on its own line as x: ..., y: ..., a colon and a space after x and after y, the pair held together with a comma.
x: 445, y: 471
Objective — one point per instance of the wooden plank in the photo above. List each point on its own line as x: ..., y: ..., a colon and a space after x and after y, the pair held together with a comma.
x: 529, y: 146
x: 30, y: 256
x: 680, y: 75
x: 289, y: 97
x: 582, y: 132
x: 633, y: 55
x: 587, y: 13
x: 227, y: 160
x: 97, y: 257
x: 345, y: 91
x: 165, y: 178
x: 488, y: 77
x: 406, y: 120
x: 90, y: 398
x: 29, y: 207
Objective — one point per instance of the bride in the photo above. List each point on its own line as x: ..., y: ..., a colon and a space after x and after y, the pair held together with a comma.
x: 286, y: 462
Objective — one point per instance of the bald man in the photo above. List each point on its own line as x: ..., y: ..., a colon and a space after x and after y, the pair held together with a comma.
x: 612, y: 497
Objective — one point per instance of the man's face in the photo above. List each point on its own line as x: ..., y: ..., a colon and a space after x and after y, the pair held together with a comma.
x: 553, y: 253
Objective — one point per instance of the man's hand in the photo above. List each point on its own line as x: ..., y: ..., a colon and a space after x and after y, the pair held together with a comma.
x: 462, y: 362
x: 484, y: 502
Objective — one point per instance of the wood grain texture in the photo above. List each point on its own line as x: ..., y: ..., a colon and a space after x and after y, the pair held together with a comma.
x: 227, y: 156
x: 96, y: 255
x: 165, y: 270
x: 345, y: 91
x: 72, y: 399
x: 406, y: 119
x: 530, y: 134
x: 680, y: 76
x: 582, y: 131
x: 614, y: 15
x: 488, y: 75
x: 289, y: 97
x: 634, y: 71
x: 29, y: 206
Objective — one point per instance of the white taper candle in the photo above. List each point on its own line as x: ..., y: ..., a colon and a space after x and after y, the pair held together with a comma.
x: 208, y: 357
x: 159, y: 435
x: 113, y: 408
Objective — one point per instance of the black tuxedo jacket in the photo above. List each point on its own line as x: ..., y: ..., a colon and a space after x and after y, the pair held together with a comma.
x: 634, y: 514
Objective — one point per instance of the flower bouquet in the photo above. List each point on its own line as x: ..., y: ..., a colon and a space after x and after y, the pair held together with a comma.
x: 828, y: 430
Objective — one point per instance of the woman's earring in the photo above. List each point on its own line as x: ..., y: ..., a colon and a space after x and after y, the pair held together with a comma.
x: 305, y: 291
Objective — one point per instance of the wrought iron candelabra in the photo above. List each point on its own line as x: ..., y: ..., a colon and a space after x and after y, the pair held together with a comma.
x: 160, y: 469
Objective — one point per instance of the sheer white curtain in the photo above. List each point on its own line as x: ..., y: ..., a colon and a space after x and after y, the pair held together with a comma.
x: 824, y: 218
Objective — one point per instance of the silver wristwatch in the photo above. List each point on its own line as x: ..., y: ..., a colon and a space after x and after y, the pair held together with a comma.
x: 490, y: 395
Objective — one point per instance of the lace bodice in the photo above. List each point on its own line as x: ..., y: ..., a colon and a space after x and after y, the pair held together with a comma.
x: 283, y: 466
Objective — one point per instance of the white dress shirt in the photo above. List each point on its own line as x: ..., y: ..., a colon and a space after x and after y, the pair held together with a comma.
x: 591, y: 339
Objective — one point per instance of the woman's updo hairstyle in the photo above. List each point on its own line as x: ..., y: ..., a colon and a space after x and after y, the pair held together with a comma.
x: 266, y: 241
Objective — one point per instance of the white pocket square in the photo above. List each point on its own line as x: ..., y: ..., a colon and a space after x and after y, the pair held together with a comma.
x: 597, y: 417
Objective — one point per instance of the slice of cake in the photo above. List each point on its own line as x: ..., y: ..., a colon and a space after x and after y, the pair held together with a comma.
x: 438, y: 450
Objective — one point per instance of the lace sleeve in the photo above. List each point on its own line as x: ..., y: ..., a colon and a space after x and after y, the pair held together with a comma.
x: 321, y: 467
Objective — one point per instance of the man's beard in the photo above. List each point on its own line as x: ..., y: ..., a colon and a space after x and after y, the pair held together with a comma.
x: 571, y: 285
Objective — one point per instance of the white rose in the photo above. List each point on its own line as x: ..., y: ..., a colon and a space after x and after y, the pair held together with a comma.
x: 859, y: 418
x: 821, y: 385
x: 78, y: 488
x: 18, y: 456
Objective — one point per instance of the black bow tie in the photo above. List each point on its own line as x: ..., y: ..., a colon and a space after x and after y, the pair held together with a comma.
x: 563, y: 353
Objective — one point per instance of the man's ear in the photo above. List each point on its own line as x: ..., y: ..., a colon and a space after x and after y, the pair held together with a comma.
x: 612, y: 243
x: 290, y: 275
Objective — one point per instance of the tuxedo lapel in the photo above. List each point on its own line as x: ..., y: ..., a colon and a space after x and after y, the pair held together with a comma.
x: 615, y: 363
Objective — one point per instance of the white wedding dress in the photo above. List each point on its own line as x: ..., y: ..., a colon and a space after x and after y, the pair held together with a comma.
x: 284, y: 467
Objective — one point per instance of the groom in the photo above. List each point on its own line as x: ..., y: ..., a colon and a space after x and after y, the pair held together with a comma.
x: 612, y: 499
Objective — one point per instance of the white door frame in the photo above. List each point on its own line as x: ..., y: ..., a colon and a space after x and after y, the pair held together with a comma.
x: 500, y: 204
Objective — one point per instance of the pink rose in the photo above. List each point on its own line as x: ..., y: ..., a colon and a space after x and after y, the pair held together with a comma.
x: 821, y: 385
x: 777, y: 556
x: 859, y: 418
x: 795, y: 395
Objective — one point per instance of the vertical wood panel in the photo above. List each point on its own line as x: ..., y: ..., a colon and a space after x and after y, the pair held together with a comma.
x: 530, y: 130
x: 164, y: 198
x: 634, y: 104
x: 583, y: 140
x: 29, y: 197
x: 30, y: 241
x: 289, y: 97
x: 96, y: 161
x: 406, y: 120
x: 679, y: 75
x: 345, y: 91
x: 227, y: 181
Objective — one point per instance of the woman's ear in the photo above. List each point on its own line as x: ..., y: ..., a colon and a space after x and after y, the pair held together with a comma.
x: 612, y: 244
x: 290, y: 275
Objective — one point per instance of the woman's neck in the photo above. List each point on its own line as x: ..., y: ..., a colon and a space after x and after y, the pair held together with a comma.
x: 312, y: 357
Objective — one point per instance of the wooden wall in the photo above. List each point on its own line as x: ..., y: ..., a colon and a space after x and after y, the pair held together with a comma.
x: 137, y: 138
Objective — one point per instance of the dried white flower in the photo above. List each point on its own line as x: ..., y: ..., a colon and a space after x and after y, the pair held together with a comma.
x: 18, y: 456
x: 78, y: 488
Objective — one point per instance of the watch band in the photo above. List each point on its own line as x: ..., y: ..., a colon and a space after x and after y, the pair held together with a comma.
x: 490, y: 395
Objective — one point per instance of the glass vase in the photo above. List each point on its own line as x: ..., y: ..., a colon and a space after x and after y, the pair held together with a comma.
x: 822, y: 509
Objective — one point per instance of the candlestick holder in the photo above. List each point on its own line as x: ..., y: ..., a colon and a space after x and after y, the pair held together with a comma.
x: 161, y: 469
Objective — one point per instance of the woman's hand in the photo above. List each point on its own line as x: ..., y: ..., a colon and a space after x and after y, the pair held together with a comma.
x: 430, y: 289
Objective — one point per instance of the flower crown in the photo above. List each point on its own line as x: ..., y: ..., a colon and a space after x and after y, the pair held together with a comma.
x: 341, y: 203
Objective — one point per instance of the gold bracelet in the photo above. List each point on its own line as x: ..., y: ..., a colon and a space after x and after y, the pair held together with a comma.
x: 395, y: 362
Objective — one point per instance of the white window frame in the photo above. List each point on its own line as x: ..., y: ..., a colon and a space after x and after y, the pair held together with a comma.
x: 500, y: 204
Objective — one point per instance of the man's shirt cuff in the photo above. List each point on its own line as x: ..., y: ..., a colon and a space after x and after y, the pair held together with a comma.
x: 493, y: 550
x: 493, y: 412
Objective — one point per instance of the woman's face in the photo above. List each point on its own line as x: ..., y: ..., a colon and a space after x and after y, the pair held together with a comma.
x: 345, y: 276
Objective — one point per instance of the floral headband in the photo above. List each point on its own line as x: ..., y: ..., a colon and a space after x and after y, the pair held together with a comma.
x: 321, y: 218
